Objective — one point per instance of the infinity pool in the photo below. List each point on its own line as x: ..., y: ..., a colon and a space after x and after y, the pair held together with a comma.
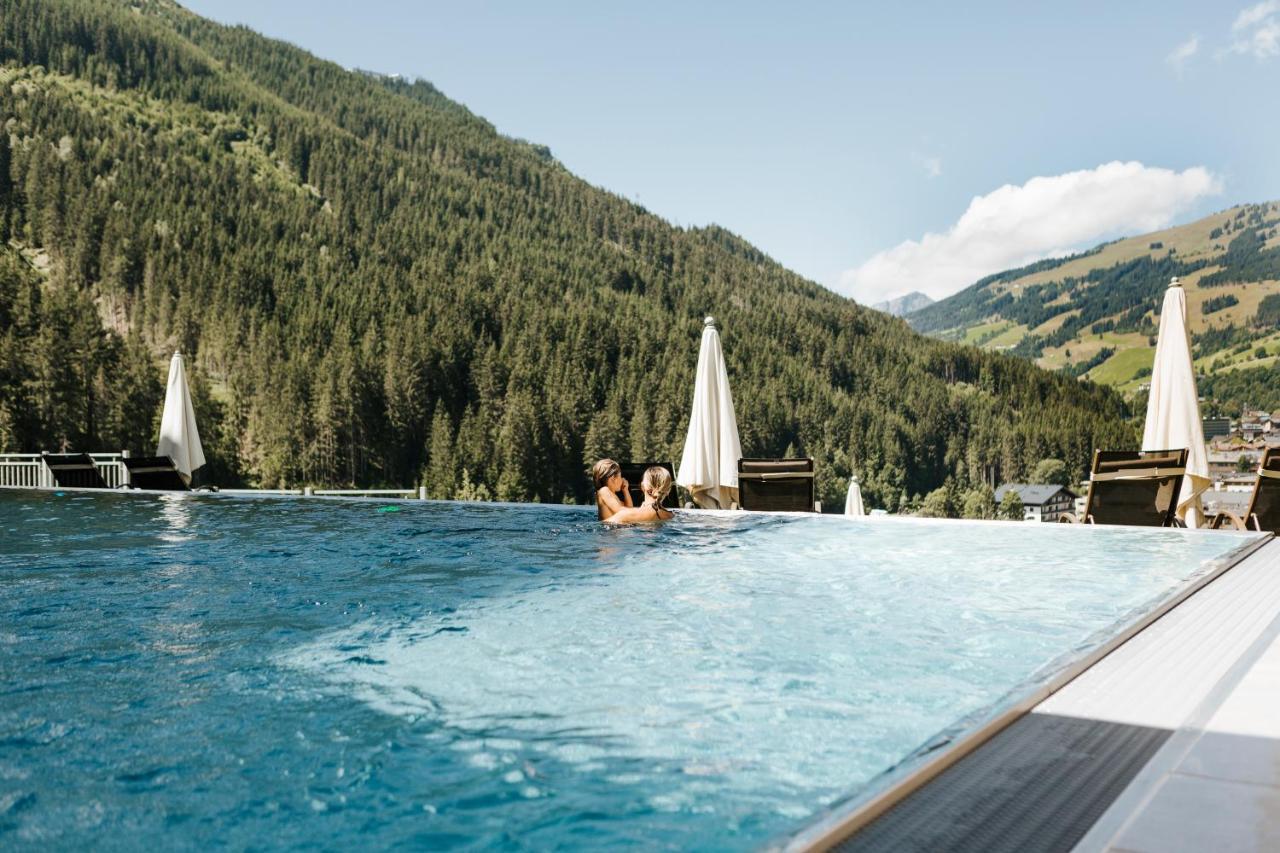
x: 269, y: 673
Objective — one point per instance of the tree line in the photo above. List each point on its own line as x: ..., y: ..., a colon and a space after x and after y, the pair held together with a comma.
x: 373, y: 287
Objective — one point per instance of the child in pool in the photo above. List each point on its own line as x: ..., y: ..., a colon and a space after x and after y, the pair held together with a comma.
x: 607, y: 476
x: 655, y: 484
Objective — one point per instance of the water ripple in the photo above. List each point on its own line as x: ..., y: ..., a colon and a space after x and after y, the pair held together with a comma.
x: 291, y: 673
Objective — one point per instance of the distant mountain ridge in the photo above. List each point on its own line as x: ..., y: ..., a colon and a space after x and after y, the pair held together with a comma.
x: 902, y: 305
x: 1095, y: 314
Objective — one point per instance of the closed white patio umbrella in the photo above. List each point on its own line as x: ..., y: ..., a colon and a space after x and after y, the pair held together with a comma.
x: 853, y: 500
x: 179, y: 438
x: 709, y: 464
x: 1173, y: 409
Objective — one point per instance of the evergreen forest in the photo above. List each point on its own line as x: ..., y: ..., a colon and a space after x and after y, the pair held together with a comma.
x: 372, y: 286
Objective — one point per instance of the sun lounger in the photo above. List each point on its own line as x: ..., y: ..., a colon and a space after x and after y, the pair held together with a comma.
x: 633, y: 472
x: 776, y: 485
x: 155, y: 472
x: 1264, y: 505
x: 1138, y: 487
x: 73, y: 471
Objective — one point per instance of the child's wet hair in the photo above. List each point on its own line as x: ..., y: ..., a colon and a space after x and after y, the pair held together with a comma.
x: 658, y: 481
x: 603, y: 471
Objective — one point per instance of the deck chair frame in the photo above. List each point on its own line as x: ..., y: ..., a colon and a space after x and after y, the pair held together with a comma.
x: 633, y: 472
x: 157, y: 473
x: 73, y: 471
x: 1163, y: 469
x: 1265, y: 491
x: 790, y: 480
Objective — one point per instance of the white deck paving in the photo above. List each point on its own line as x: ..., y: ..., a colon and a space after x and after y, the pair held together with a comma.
x: 1209, y: 670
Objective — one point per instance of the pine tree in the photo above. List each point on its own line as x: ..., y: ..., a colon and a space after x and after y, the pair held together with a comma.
x: 6, y: 185
x: 1011, y: 506
x: 442, y: 473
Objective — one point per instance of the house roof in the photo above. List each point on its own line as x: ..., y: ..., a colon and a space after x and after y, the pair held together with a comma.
x: 1237, y: 502
x: 1033, y: 494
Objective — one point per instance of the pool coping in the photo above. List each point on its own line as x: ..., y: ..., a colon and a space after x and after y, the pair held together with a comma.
x: 1227, y: 649
x: 840, y: 822
x: 825, y: 517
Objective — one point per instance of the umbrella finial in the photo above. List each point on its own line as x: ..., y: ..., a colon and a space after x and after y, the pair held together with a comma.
x: 1173, y: 282
x: 710, y: 322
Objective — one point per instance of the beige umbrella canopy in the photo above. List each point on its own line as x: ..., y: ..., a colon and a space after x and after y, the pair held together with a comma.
x: 1173, y: 409
x: 179, y: 438
x: 709, y: 464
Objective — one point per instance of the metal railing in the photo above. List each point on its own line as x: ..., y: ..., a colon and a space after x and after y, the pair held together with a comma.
x: 419, y: 492
x: 23, y: 469
x: 27, y: 470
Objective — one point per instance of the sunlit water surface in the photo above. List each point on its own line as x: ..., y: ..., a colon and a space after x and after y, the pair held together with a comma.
x: 277, y: 673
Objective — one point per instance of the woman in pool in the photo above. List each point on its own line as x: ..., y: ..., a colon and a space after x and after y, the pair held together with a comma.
x: 607, y: 476
x: 655, y: 484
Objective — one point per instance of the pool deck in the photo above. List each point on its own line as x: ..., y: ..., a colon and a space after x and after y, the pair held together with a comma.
x: 1208, y: 672
x: 1171, y: 742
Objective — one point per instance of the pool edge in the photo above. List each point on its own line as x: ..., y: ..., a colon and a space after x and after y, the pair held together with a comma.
x: 839, y: 823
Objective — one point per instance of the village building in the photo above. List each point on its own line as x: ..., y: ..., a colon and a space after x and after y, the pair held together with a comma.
x: 1040, y: 501
x: 1215, y: 427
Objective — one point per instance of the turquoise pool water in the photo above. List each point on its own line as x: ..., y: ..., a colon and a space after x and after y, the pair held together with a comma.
x: 268, y: 673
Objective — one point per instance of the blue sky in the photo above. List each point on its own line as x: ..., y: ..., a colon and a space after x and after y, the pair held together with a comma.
x: 862, y: 145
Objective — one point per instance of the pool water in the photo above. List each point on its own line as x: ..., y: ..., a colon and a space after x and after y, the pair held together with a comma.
x: 185, y: 671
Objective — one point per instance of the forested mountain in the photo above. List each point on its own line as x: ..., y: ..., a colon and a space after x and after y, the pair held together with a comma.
x: 372, y: 286
x: 1096, y: 314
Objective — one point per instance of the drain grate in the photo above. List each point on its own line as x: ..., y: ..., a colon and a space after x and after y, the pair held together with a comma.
x: 1038, y: 785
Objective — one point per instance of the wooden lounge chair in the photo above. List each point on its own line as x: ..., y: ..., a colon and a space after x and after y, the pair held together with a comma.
x: 73, y: 471
x: 776, y: 485
x: 1138, y: 487
x: 1264, y: 505
x: 633, y: 472
x: 155, y: 472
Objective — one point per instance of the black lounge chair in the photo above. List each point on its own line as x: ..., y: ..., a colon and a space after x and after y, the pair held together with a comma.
x: 155, y: 472
x: 73, y: 471
x: 776, y: 485
x: 633, y: 472
x: 1264, y: 505
x: 1138, y: 487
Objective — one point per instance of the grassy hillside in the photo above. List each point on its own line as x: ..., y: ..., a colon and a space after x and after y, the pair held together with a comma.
x: 373, y: 286
x: 1096, y: 314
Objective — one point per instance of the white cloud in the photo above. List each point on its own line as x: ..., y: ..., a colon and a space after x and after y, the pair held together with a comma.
x: 1016, y: 225
x: 1180, y: 54
x: 1255, y: 15
x: 1257, y: 30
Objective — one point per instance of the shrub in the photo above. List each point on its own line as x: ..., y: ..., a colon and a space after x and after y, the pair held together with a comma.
x: 1011, y: 507
x: 1052, y: 471
x: 979, y: 503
